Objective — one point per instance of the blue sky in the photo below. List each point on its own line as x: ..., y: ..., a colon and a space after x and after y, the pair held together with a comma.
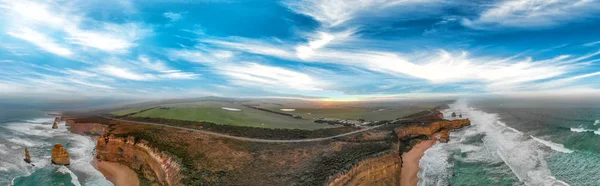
x: 325, y: 49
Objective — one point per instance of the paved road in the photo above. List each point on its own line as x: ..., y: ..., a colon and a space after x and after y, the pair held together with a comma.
x: 264, y: 140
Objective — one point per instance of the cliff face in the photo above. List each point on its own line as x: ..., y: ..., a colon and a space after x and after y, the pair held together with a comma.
x: 386, y: 170
x: 151, y: 163
x: 92, y: 129
x: 431, y: 129
x: 383, y: 170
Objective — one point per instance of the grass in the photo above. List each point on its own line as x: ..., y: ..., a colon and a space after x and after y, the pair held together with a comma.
x: 373, y: 114
x: 215, y: 114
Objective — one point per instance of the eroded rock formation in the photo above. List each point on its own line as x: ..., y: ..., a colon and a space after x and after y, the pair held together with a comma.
x: 386, y: 170
x: 432, y: 128
x: 60, y: 156
x: 27, y: 157
x: 453, y: 114
x: 69, y: 122
x: 91, y: 129
x: 55, y: 123
x: 154, y: 165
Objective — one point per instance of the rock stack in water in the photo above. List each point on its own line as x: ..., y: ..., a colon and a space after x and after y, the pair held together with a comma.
x: 55, y: 124
x: 60, y: 156
x: 27, y: 157
x: 453, y: 114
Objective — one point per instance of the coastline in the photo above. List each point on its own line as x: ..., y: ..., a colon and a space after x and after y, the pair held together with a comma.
x: 119, y: 175
x: 410, y: 162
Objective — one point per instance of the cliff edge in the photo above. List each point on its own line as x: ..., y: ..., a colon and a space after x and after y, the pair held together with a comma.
x: 147, y: 161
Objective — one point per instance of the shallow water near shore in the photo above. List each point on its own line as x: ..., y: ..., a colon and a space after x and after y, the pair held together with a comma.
x: 35, y: 133
x: 517, y: 146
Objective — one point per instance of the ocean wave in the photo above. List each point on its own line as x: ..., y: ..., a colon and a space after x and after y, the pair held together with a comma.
x: 596, y: 122
x: 504, y: 144
x: 580, y: 130
x: 553, y: 146
x: 434, y: 166
x: 65, y: 170
x: 40, y: 120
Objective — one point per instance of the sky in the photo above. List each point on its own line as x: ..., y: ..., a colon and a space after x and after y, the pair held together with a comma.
x: 313, y: 49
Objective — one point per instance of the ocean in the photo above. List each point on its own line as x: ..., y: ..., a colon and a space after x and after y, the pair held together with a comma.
x: 23, y: 128
x: 516, y: 143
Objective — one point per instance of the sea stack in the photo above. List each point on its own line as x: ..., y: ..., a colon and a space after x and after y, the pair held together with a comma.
x: 453, y: 114
x: 60, y: 156
x: 55, y: 124
x: 27, y: 157
x: 460, y: 115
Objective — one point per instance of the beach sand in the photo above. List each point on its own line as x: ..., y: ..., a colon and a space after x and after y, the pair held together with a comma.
x: 118, y: 174
x: 410, y: 162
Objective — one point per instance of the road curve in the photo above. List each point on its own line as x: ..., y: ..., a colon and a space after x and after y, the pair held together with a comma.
x: 263, y: 140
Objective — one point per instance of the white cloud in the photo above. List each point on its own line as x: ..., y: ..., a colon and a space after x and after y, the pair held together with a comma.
x: 591, y: 43
x: 44, y: 42
x: 321, y: 40
x: 269, y: 77
x: 176, y: 74
x: 91, y: 84
x: 124, y: 73
x: 254, y: 46
x: 533, y: 13
x: 172, y: 16
x: 66, y: 20
x: 333, y: 13
x: 200, y: 56
x: 111, y: 38
x: 79, y: 73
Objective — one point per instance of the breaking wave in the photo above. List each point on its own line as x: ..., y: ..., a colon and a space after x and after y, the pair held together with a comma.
x: 580, y: 130
x: 489, y: 141
x: 553, y: 146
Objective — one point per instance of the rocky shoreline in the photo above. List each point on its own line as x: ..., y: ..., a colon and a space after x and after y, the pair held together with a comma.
x: 394, y: 168
x: 119, y: 143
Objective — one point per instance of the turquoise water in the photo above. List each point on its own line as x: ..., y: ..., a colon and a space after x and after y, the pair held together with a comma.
x: 32, y: 130
x: 517, y: 146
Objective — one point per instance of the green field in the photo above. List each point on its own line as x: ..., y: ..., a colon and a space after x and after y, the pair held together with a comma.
x: 212, y: 111
x: 373, y: 114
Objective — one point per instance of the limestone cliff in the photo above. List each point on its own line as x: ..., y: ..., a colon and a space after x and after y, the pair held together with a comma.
x: 60, y: 156
x: 386, y: 170
x: 151, y: 163
x: 91, y: 129
x: 383, y: 170
x: 431, y: 129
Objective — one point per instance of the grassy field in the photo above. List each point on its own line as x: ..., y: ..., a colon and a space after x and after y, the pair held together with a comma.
x: 213, y: 112
x: 374, y: 114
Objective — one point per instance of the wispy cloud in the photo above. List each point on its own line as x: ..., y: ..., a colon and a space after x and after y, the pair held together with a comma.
x: 124, y: 73
x: 269, y: 77
x: 36, y: 16
x: 533, y: 13
x: 172, y: 16
x: 44, y: 42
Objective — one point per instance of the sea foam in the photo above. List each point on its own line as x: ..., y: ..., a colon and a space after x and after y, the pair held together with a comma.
x: 553, y: 146
x: 499, y: 144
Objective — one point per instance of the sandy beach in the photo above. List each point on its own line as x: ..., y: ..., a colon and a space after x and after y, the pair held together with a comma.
x: 118, y: 174
x: 410, y: 162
